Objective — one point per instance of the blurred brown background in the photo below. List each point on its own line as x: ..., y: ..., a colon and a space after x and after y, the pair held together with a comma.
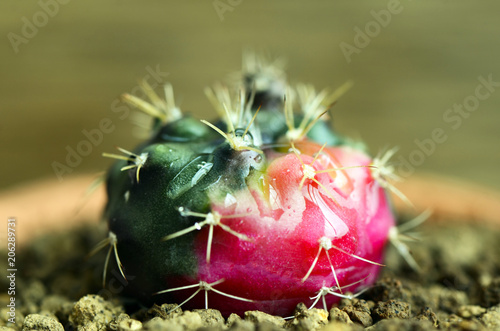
x: 64, y: 64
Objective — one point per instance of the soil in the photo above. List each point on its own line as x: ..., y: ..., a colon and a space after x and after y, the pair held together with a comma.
x: 58, y: 287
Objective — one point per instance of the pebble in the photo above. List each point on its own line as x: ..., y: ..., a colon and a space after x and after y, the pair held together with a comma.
x: 308, y: 319
x: 234, y: 322
x: 426, y: 314
x: 359, y: 313
x: 491, y: 319
x: 129, y: 325
x: 401, y: 325
x: 41, y: 322
x: 392, y: 309
x: 338, y: 326
x: 210, y: 317
x: 470, y: 311
x: 256, y: 316
x: 92, y: 312
x: 337, y: 315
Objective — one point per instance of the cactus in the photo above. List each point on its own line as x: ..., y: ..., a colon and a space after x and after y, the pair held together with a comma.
x: 264, y: 208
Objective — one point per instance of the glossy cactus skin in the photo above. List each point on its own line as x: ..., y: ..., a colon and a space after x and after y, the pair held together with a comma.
x: 266, y: 216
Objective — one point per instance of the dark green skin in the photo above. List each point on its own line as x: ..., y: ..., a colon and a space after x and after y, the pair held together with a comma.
x: 152, y: 208
x: 151, y: 211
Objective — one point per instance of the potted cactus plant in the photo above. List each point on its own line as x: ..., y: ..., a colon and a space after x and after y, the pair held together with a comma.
x: 263, y: 208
